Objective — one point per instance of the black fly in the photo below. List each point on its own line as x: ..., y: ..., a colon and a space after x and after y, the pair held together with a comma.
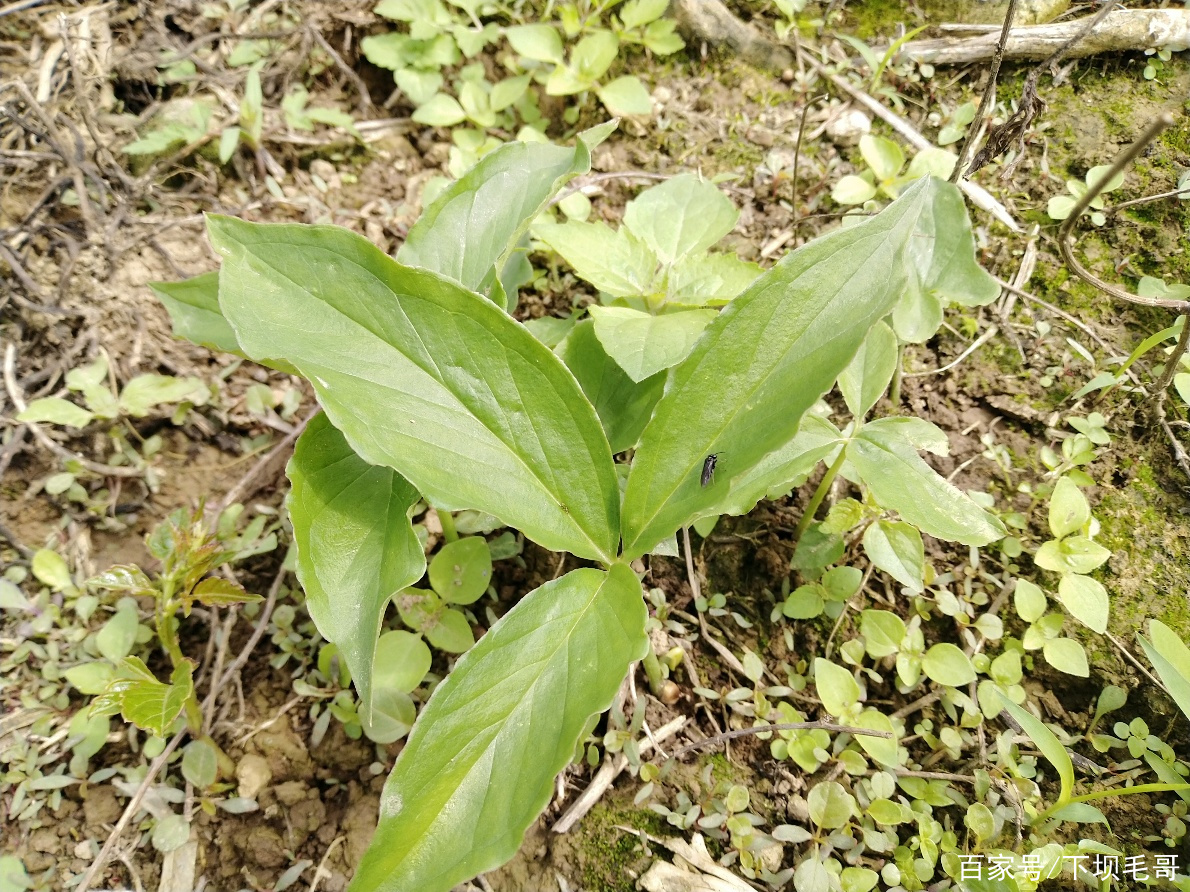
x: 708, y: 468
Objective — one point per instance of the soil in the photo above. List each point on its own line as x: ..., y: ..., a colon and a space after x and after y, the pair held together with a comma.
x: 318, y: 803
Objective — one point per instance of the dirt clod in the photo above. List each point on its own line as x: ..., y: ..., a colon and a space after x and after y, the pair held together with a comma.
x: 101, y: 807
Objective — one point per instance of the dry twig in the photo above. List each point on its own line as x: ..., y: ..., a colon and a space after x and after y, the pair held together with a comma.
x: 1012, y: 131
x: 979, y: 196
x: 607, y: 774
x: 130, y: 811
x: 780, y: 726
x: 989, y: 93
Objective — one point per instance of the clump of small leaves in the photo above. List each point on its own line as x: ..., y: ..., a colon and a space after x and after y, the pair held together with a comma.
x: 444, y: 363
x: 1060, y: 206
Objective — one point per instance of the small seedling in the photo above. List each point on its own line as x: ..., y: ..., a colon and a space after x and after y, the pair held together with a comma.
x: 1060, y: 206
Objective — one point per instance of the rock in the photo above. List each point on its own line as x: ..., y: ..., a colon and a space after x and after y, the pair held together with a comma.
x: 797, y: 809
x: 359, y: 825
x: 253, y: 774
x: 264, y: 846
x: 285, y: 750
x: 36, y: 862
x: 666, y: 877
x: 342, y: 755
x: 670, y: 693
x: 290, y: 793
x: 770, y: 856
x: 101, y: 807
x: 847, y: 128
x: 304, y: 818
x: 45, y: 840
x: 326, y: 172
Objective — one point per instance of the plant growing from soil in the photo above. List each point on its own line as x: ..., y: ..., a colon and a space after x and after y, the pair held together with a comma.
x: 431, y: 390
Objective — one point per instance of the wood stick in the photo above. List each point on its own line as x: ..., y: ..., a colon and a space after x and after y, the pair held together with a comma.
x: 606, y: 776
x: 979, y: 196
x: 1122, y: 30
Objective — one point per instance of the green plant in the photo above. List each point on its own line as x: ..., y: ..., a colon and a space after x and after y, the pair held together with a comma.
x: 956, y: 124
x: 130, y: 454
x: 188, y: 123
x: 91, y: 637
x: 791, y: 18
x: 1060, y: 206
x: 188, y: 551
x: 1154, y: 62
x: 94, y: 383
x: 567, y: 56
x: 659, y: 283
x: 416, y: 357
x: 886, y: 175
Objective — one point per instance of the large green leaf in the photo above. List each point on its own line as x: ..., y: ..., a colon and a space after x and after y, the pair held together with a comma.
x: 709, y: 278
x: 193, y: 307
x: 471, y: 229
x: 1175, y: 682
x: 613, y: 260
x: 762, y: 363
x: 644, y: 344
x: 684, y: 215
x: 780, y: 471
x: 900, y: 479
x: 623, y: 405
x: 481, y: 760
x: 427, y: 378
x: 1048, y: 743
x: 144, y: 701
x: 355, y: 544
x: 866, y: 377
x: 943, y: 250
x: 1171, y: 646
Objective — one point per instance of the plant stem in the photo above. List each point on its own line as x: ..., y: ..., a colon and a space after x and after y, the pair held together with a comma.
x: 819, y: 494
x: 989, y: 93
x: 449, y: 533
x: 653, y: 672
x: 894, y: 391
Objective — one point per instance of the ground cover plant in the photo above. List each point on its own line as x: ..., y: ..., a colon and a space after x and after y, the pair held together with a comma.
x: 450, y: 363
x: 681, y: 504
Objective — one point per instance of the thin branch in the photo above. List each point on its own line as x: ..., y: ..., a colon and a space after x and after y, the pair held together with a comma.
x: 979, y: 196
x: 695, y: 587
x: 1183, y: 193
x: 975, y: 345
x: 797, y: 148
x: 18, y: 401
x: 781, y: 726
x: 20, y: 6
x: 248, y: 484
x: 129, y: 811
x: 989, y: 93
x: 607, y: 774
x: 1066, y: 238
x: 1172, y: 362
x: 365, y: 100
x: 262, y: 623
x: 320, y: 871
x: 1030, y: 104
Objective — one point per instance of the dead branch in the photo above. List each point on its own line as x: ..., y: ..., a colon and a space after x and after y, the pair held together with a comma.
x: 1122, y: 30
x: 780, y: 726
x: 989, y: 96
x: 979, y: 196
x: 1030, y: 105
x: 607, y: 774
x: 1066, y: 239
x: 711, y: 22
